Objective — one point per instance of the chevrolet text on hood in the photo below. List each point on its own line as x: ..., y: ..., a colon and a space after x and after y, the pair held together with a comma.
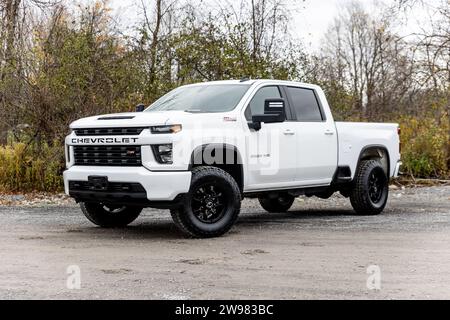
x: 201, y: 149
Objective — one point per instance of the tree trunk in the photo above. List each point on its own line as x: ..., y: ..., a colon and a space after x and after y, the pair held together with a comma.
x: 154, y: 44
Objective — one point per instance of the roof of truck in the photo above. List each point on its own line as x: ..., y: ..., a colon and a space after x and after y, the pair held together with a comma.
x: 256, y: 81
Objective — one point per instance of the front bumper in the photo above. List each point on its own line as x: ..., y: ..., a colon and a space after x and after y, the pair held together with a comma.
x: 158, y: 185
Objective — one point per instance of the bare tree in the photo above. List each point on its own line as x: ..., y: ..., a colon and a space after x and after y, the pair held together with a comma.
x: 258, y: 26
x: 15, y: 37
x: 369, y: 60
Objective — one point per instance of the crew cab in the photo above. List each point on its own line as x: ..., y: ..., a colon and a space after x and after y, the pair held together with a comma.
x: 201, y: 148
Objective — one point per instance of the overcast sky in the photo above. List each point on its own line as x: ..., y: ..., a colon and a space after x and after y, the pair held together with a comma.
x: 311, y: 18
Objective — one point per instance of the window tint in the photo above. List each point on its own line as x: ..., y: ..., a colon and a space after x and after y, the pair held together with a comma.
x: 305, y: 104
x: 256, y: 105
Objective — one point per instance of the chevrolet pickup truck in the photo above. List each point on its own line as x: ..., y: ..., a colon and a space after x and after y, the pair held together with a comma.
x: 201, y: 148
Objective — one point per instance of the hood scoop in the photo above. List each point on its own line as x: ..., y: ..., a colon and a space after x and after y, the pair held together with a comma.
x: 116, y: 118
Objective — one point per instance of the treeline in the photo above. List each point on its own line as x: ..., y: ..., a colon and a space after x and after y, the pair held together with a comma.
x: 60, y: 62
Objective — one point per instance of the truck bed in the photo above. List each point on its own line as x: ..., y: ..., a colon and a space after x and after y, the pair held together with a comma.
x: 355, y: 137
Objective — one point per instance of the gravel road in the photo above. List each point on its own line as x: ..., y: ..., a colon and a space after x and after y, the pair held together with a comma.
x: 319, y: 249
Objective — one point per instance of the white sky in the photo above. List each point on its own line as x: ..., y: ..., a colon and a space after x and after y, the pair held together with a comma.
x: 310, y: 18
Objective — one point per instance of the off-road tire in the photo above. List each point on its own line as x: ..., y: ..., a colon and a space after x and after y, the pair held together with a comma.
x: 187, y: 219
x: 279, y: 204
x: 360, y: 195
x: 109, y: 217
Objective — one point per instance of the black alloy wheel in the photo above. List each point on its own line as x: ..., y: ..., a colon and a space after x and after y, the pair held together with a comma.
x: 208, y: 203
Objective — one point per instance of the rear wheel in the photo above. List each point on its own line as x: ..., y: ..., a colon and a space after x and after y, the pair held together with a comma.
x: 370, y: 192
x: 212, y: 205
x: 108, y: 216
x: 282, y: 203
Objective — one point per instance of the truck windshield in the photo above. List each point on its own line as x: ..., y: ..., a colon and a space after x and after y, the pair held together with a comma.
x: 201, y: 98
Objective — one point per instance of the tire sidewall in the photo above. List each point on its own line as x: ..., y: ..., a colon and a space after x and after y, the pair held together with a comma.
x: 98, y: 215
x: 276, y: 205
x: 359, y: 195
x: 232, y: 199
x: 384, y: 196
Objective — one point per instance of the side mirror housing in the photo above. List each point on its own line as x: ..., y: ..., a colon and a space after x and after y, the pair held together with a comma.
x: 140, y: 107
x: 274, y: 111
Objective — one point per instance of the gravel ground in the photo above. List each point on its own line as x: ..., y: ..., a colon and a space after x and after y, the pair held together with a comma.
x: 319, y: 249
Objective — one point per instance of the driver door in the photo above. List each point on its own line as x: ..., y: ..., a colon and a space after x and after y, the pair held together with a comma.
x: 272, y: 150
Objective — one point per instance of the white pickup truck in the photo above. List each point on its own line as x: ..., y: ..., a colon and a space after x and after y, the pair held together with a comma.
x: 201, y: 148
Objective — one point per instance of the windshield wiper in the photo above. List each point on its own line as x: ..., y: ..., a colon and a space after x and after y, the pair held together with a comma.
x: 193, y: 111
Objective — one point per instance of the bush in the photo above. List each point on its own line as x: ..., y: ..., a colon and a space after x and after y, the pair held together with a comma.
x: 425, y: 146
x: 29, y: 168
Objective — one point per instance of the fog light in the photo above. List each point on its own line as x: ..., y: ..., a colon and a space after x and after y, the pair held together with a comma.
x: 163, y: 153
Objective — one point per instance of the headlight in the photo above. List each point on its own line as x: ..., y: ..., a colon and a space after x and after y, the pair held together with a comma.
x: 174, y: 128
x: 163, y: 153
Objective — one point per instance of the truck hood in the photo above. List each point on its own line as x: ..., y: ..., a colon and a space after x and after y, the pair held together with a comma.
x: 130, y: 119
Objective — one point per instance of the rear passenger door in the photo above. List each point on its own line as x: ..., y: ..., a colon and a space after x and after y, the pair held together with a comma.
x: 316, y: 137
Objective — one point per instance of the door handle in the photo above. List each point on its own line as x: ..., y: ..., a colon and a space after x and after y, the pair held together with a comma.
x: 288, y: 132
x: 329, y: 132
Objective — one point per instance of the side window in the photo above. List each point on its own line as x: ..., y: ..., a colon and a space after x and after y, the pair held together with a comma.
x: 305, y: 104
x: 256, y: 105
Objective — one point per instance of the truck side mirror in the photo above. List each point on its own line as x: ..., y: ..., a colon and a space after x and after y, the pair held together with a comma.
x: 140, y: 107
x: 274, y: 111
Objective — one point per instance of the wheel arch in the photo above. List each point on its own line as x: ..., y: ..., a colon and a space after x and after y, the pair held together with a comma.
x: 230, y: 152
x: 375, y: 152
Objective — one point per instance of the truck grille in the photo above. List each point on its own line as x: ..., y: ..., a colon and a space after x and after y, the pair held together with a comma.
x: 109, y: 131
x: 107, y: 156
x: 112, y: 187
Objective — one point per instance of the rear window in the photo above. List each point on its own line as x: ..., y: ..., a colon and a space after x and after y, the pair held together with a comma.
x: 305, y: 104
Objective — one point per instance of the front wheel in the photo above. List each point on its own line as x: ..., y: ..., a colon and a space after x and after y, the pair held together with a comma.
x: 371, y: 187
x: 109, y: 216
x: 212, y: 205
